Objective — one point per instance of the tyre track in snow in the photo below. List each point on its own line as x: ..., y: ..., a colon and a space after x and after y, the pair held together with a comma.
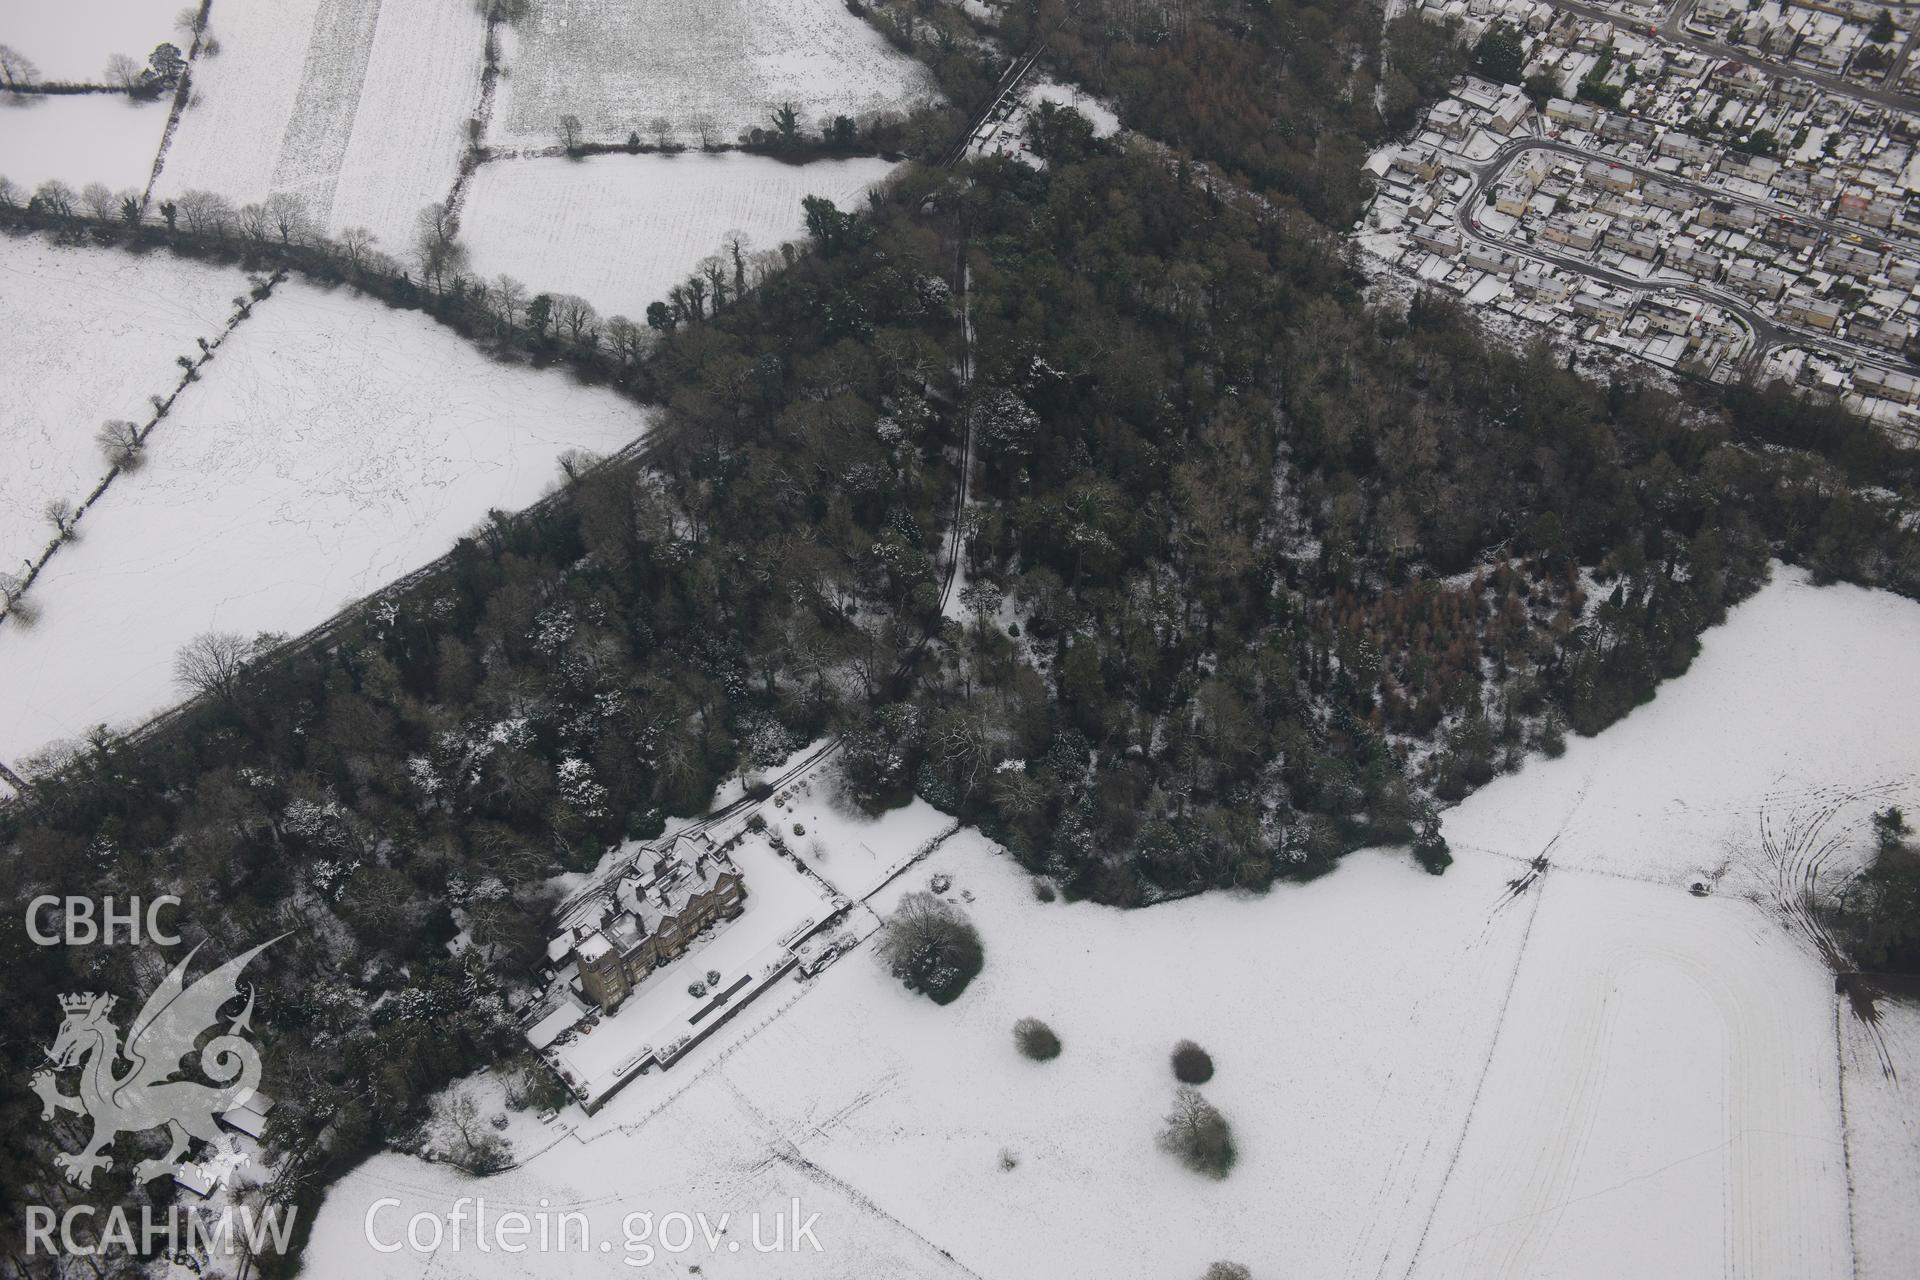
x: 1799, y: 853
x: 1515, y: 888
x: 1473, y: 1104
x: 782, y: 1149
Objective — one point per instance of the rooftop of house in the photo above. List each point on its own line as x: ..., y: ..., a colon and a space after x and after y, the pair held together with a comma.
x: 651, y: 892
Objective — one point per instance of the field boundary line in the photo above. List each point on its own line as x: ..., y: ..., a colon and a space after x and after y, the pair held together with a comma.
x: 161, y: 408
x: 182, y: 96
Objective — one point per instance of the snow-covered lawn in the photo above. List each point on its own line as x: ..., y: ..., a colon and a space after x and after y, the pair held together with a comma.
x: 71, y: 40
x: 358, y: 107
x: 617, y: 65
x: 856, y: 853
x: 80, y: 138
x: 1599, y: 1075
x: 122, y: 319
x: 620, y: 230
x: 331, y: 446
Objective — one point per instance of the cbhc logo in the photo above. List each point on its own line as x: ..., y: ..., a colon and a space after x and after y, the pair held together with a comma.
x: 82, y: 921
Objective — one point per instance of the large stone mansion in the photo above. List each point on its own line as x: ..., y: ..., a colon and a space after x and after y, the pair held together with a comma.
x: 648, y: 916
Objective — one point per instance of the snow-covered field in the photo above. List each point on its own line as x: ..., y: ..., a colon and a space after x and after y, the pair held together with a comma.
x: 359, y: 107
x: 1613, y: 804
x: 71, y: 40
x: 619, y: 230
x: 1883, y: 1140
x: 124, y: 320
x: 80, y: 138
x: 332, y: 445
x: 1663, y: 1100
x: 1596, y: 1075
x: 617, y: 65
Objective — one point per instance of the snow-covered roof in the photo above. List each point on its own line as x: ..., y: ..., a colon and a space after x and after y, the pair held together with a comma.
x: 561, y: 1018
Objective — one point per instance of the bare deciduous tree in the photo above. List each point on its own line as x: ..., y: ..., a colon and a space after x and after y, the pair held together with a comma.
x: 576, y: 316
x: 125, y: 72
x: 570, y: 132
x: 1198, y: 1134
x: 100, y: 201
x: 438, y: 229
x: 210, y: 666
x: 205, y: 212
x: 120, y: 441
x: 16, y: 69
x: 62, y: 515
x: 55, y: 197
x: 255, y: 224
x: 509, y: 295
x: 287, y: 217
x: 735, y: 245
x: 627, y: 339
x: 575, y: 463
x: 356, y: 243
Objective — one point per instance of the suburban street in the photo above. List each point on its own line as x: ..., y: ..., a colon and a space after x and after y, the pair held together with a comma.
x: 1766, y: 332
x: 1673, y: 28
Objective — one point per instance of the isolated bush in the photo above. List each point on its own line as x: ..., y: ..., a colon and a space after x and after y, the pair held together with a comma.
x: 931, y: 947
x: 1430, y: 848
x: 1191, y: 1063
x: 1042, y: 891
x: 1228, y: 1271
x: 1036, y: 1039
x: 1199, y: 1135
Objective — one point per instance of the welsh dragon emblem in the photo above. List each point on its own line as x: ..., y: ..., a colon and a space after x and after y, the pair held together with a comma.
x: 144, y: 1095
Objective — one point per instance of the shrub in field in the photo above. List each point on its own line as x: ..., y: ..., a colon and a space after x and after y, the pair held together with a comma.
x: 932, y: 947
x: 1191, y: 1063
x: 1036, y: 1039
x: 1228, y: 1271
x: 1430, y: 848
x: 1199, y: 1135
